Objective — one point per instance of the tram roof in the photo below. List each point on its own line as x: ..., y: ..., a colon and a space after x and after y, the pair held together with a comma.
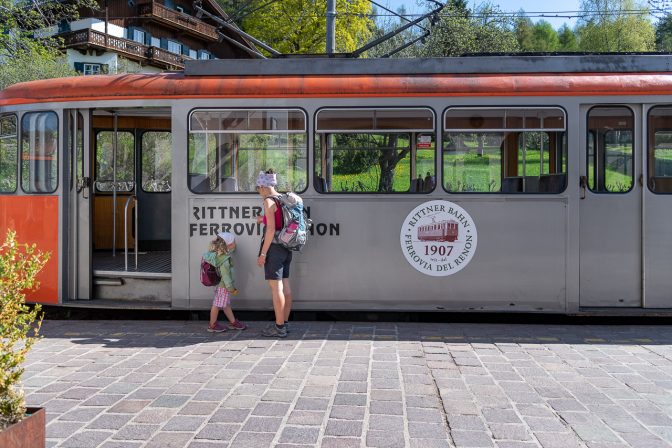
x: 483, y: 64
x: 644, y: 75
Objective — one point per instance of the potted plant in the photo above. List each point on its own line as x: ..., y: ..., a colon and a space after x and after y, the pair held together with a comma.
x: 19, y: 328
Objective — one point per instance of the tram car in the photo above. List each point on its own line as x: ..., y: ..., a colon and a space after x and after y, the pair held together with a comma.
x: 541, y: 164
x: 446, y: 230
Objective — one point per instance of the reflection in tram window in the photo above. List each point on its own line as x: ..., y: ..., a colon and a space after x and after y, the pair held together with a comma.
x: 508, y: 150
x: 156, y: 161
x: 228, y: 148
x: 125, y: 158
x: 610, y: 149
x: 660, y: 150
x: 8, y: 153
x: 39, y: 152
x: 374, y: 151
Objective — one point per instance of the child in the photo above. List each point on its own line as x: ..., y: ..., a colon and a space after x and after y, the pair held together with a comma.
x: 219, y: 255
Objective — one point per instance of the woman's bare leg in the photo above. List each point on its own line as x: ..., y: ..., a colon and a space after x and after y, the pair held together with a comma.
x: 278, y: 301
x: 288, y: 298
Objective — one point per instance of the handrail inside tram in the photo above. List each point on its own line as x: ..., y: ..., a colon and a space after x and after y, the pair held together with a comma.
x: 135, y: 241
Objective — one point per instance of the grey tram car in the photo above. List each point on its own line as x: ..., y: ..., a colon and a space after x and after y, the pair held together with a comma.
x: 528, y: 184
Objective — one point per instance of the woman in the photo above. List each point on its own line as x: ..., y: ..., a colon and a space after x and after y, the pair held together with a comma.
x: 273, y: 257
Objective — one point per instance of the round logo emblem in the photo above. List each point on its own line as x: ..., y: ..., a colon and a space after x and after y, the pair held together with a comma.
x: 438, y: 238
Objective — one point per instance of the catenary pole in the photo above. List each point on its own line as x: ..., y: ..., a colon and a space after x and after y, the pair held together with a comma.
x: 331, y: 26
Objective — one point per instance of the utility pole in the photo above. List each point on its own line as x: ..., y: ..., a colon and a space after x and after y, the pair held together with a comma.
x: 331, y: 26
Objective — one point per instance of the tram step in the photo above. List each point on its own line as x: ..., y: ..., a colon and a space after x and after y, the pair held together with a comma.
x: 132, y: 288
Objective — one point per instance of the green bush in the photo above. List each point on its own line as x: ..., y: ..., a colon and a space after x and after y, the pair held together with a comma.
x: 19, y: 266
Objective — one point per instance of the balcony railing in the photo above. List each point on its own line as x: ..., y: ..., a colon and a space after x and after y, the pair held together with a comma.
x: 131, y: 49
x: 178, y: 19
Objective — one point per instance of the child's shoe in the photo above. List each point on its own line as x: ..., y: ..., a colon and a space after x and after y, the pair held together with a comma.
x: 217, y: 328
x: 237, y: 325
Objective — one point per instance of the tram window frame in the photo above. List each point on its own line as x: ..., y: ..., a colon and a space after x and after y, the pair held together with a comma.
x: 254, y: 117
x: 142, y: 161
x: 98, y: 181
x: 4, y: 137
x: 592, y: 136
x: 416, y: 185
x: 661, y: 185
x: 25, y: 166
x: 494, y: 123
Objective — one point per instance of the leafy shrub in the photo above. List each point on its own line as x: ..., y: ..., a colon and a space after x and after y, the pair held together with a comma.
x: 19, y: 266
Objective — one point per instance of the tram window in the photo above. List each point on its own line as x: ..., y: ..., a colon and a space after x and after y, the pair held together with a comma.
x: 105, y: 175
x: 156, y: 161
x: 228, y: 148
x: 39, y: 152
x: 375, y: 151
x: 8, y: 153
x: 660, y: 150
x: 507, y: 150
x: 610, y: 149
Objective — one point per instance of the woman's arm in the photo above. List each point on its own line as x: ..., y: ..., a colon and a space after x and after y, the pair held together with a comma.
x: 269, y: 211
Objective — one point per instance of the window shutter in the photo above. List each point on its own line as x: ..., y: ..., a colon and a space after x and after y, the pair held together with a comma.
x: 148, y: 38
x: 169, y: 4
x: 130, y: 32
x: 164, y: 43
x: 79, y: 67
x: 105, y: 69
x: 185, y: 50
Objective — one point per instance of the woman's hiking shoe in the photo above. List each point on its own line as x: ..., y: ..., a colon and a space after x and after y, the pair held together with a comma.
x: 236, y: 325
x: 217, y: 328
x: 287, y: 327
x: 273, y: 331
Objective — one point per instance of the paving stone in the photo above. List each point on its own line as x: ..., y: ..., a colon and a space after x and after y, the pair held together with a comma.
x: 218, y: 431
x: 348, y: 412
x: 385, y: 439
x: 184, y: 423
x: 299, y: 434
x: 262, y: 424
x: 253, y: 440
x: 471, y: 439
x: 344, y: 428
x: 169, y: 440
x: 309, y: 418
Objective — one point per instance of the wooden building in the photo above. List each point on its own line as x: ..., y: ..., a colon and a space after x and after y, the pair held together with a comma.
x: 141, y: 36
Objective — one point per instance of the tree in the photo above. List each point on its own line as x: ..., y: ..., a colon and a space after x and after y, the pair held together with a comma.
x: 26, y: 55
x: 615, y: 25
x: 544, y: 37
x: 299, y: 26
x: 567, y: 39
x: 664, y: 34
x: 524, y: 32
x: 483, y: 30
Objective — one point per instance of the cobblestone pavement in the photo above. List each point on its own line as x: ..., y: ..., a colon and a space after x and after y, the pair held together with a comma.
x: 171, y: 384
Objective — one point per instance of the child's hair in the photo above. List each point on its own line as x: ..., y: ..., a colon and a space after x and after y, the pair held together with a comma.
x: 270, y: 171
x: 218, y: 246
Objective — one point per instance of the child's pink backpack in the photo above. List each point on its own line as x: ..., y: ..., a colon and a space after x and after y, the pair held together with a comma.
x: 209, y: 274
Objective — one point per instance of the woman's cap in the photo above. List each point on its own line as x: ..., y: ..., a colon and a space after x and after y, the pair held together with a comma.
x: 266, y: 180
x: 228, y: 237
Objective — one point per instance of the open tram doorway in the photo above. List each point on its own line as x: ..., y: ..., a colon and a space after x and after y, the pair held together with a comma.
x: 124, y: 230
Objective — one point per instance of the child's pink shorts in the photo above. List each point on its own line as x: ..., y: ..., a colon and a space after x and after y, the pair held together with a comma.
x: 222, y: 298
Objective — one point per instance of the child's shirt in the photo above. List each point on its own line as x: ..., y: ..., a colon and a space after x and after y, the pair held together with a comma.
x: 224, y: 264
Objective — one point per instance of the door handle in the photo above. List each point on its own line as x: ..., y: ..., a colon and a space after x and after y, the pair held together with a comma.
x: 583, y: 183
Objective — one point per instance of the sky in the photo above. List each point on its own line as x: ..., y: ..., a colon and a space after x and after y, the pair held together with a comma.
x: 550, y: 7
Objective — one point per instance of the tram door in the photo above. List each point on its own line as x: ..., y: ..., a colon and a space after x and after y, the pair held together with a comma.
x: 77, y: 125
x: 610, y: 209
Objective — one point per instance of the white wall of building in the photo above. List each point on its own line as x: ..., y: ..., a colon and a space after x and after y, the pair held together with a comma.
x: 115, y: 63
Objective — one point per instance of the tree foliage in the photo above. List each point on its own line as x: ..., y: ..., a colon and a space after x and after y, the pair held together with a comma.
x: 19, y: 266
x: 664, y: 34
x: 567, y: 40
x: 481, y: 30
x: 615, y: 25
x: 299, y: 26
x: 24, y: 55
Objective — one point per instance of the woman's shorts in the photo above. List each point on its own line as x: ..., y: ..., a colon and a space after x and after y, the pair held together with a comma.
x: 277, y: 263
x: 222, y: 298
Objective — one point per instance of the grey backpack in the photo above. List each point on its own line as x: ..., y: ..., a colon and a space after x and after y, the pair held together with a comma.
x: 295, y: 222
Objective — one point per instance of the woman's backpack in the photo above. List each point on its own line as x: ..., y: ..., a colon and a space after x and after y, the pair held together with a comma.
x: 295, y: 222
x: 209, y: 274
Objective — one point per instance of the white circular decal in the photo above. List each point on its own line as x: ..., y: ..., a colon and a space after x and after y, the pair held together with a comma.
x: 438, y: 238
